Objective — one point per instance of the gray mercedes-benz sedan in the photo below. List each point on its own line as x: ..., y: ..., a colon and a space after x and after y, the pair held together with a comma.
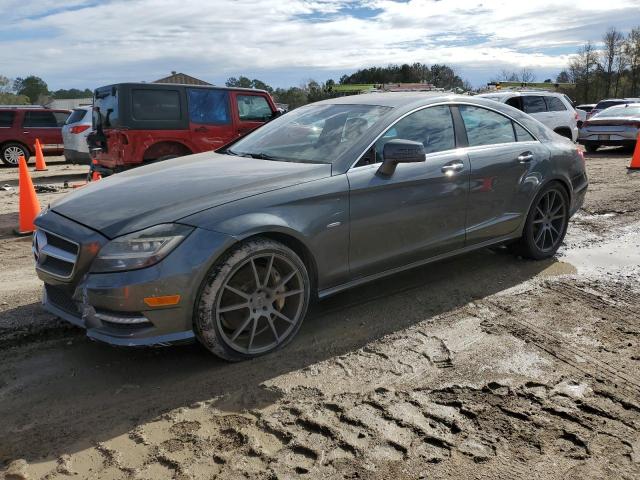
x: 230, y: 247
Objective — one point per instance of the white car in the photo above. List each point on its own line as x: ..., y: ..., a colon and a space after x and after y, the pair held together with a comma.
x: 74, y: 134
x: 551, y: 109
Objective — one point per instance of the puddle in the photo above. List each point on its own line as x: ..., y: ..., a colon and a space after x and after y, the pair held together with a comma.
x: 617, y: 254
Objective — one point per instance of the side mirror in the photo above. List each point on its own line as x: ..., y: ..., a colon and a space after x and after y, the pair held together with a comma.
x: 400, y: 151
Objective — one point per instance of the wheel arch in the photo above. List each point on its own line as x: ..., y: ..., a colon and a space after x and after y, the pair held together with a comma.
x: 564, y: 129
x: 165, y: 147
x: 293, y: 241
x: 564, y: 183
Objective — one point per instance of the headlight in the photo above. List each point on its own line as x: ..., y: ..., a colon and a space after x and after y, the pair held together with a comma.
x: 140, y: 249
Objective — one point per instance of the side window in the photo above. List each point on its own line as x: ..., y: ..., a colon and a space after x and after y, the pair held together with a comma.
x: 253, y: 108
x: 521, y: 134
x: 485, y: 127
x: 155, y: 104
x: 40, y: 120
x: 515, y: 102
x: 431, y: 126
x: 6, y: 119
x: 533, y: 104
x: 61, y: 118
x: 555, y: 104
x: 208, y: 106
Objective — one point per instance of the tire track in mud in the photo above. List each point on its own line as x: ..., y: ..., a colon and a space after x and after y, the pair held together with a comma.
x: 556, y: 347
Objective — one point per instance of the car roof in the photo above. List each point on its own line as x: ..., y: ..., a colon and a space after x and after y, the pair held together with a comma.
x: 516, y: 93
x: 161, y: 85
x: 393, y: 99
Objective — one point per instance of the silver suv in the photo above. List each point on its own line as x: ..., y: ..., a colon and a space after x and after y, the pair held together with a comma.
x: 554, y: 110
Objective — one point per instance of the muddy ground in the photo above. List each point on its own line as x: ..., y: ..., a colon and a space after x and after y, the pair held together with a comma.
x: 483, y: 366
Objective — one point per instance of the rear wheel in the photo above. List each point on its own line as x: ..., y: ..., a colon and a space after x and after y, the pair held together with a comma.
x: 11, y: 152
x: 546, y: 224
x: 253, y: 302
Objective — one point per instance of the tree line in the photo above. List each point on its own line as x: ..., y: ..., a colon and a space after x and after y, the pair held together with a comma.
x: 612, y: 71
x: 441, y: 76
x: 34, y: 90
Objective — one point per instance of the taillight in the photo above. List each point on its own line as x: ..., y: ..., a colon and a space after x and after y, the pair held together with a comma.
x: 581, y: 153
x: 78, y: 128
x: 576, y: 116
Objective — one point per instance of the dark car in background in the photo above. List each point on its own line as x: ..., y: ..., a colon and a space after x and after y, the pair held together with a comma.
x: 20, y: 126
x: 137, y: 123
x: 610, y: 102
x: 231, y: 247
x: 616, y: 126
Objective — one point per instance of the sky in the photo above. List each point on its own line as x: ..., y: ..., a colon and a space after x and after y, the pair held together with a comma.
x: 89, y: 43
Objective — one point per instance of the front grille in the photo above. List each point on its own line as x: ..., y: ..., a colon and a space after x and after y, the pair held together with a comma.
x: 54, y: 254
x: 63, y: 300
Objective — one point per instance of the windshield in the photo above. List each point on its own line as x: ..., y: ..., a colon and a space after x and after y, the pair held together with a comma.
x: 621, y: 111
x: 105, y: 108
x: 314, y: 133
x: 608, y: 103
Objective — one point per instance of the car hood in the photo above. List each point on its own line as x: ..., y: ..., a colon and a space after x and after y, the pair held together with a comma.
x: 170, y: 190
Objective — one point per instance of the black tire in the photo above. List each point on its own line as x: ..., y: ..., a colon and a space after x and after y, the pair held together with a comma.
x: 11, y: 151
x: 590, y: 148
x: 252, y: 313
x: 534, y: 243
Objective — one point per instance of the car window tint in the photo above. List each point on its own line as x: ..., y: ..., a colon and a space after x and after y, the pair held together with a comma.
x: 555, y: 104
x: 6, y: 119
x: 533, y: 104
x: 76, y: 116
x: 61, y: 118
x: 40, y: 119
x: 253, y: 108
x: 208, y: 106
x: 433, y: 127
x: 155, y: 104
x: 521, y: 134
x: 486, y: 127
x: 515, y: 102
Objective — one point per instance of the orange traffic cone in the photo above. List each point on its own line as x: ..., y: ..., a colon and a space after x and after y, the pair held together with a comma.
x: 95, y: 176
x: 635, y: 160
x: 29, y: 206
x: 40, y: 165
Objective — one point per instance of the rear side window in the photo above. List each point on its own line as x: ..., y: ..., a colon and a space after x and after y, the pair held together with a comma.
x: 253, y: 108
x: 555, y: 104
x: 515, y: 102
x: 208, y: 106
x: 76, y: 116
x: 40, y: 120
x: 6, y: 119
x: 485, y: 127
x: 533, y: 104
x: 155, y: 104
x: 433, y: 127
x: 521, y: 134
x: 61, y: 118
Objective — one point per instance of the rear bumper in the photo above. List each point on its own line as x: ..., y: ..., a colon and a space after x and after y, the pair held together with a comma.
x: 608, y: 143
x: 75, y: 156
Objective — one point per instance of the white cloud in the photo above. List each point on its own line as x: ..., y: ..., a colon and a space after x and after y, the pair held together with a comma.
x: 87, y: 43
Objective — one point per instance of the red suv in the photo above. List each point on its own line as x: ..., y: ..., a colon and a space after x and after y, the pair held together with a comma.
x: 22, y: 124
x: 135, y: 123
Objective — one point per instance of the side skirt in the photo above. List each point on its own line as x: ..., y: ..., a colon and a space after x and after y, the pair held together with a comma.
x: 370, y: 278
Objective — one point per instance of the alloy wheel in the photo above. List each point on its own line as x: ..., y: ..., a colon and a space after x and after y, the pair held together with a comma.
x: 12, y: 154
x: 549, y: 220
x: 260, y: 303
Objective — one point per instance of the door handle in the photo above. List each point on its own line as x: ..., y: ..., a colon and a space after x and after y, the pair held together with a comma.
x: 452, y: 167
x: 200, y: 129
x: 525, y: 157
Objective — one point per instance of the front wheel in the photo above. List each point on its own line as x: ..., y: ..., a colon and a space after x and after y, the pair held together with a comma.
x: 546, y: 224
x: 253, y: 301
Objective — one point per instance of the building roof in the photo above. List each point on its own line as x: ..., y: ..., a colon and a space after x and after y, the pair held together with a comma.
x: 181, y: 78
